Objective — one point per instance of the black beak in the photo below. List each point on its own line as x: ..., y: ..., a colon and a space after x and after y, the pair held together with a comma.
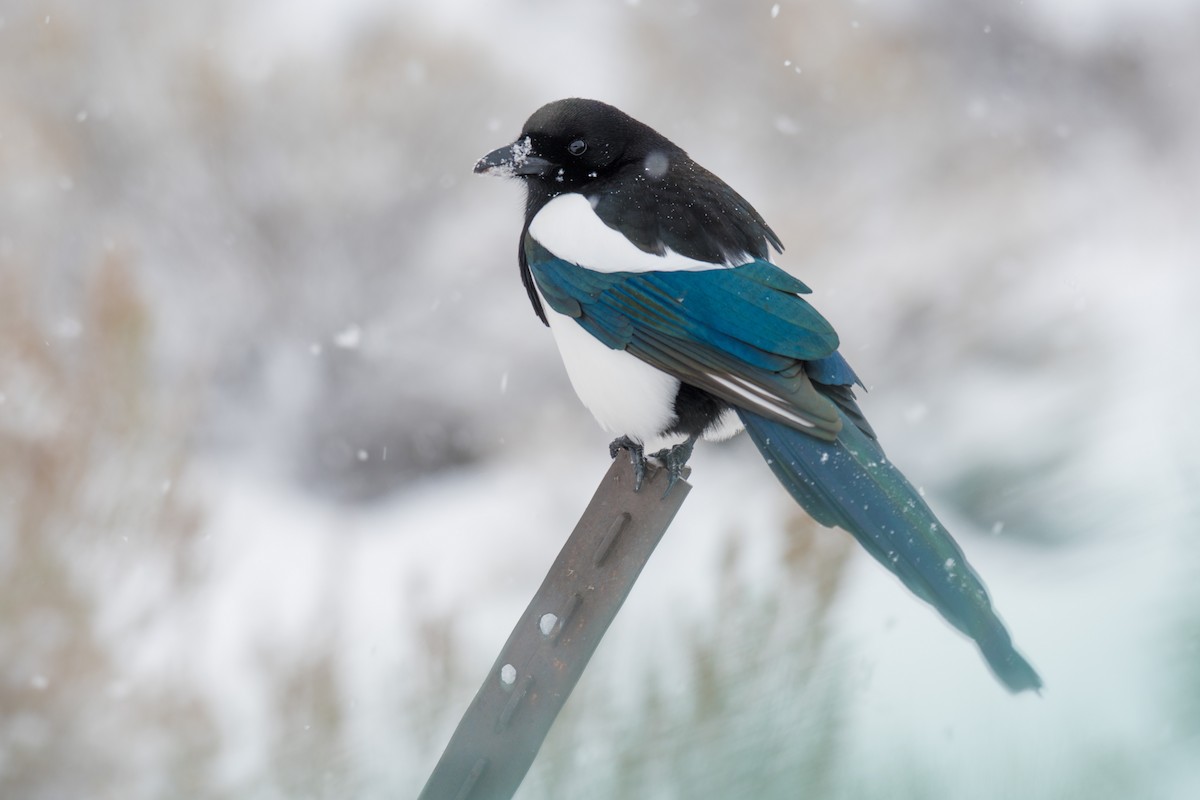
x: 514, y: 159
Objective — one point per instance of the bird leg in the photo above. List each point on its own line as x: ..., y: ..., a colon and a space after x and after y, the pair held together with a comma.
x: 675, y: 459
x: 637, y: 457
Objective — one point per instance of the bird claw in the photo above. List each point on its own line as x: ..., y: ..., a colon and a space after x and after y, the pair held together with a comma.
x: 675, y: 460
x: 637, y: 457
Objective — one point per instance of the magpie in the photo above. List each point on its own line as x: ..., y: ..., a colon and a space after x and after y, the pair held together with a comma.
x: 656, y: 280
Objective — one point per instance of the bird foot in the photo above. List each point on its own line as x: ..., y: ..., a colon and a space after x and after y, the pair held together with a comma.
x: 675, y: 459
x: 637, y: 457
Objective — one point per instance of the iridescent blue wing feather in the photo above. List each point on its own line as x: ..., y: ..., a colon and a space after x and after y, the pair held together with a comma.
x: 741, y: 334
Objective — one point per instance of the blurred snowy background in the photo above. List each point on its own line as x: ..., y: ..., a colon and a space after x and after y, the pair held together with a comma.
x: 284, y: 451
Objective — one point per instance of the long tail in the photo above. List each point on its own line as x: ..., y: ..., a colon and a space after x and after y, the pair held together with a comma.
x: 851, y: 484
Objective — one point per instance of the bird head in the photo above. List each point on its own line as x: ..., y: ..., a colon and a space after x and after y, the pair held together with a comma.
x: 570, y: 143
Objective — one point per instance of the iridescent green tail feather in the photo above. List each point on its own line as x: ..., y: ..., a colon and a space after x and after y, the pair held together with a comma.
x: 849, y: 483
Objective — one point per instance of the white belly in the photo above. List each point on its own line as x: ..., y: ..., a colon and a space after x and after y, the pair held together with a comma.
x: 627, y: 396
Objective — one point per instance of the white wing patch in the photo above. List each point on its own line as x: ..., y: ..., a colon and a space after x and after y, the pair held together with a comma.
x: 569, y: 228
x: 756, y: 398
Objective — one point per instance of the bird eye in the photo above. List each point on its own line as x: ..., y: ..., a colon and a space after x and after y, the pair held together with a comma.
x: 577, y: 147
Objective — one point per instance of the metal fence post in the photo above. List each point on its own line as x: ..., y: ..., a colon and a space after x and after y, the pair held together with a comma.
x: 503, y: 728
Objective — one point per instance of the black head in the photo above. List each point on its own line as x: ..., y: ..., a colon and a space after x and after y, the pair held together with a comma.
x: 569, y: 143
x: 637, y: 181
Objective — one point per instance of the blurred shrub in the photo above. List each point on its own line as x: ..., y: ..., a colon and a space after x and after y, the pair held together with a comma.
x: 95, y: 546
